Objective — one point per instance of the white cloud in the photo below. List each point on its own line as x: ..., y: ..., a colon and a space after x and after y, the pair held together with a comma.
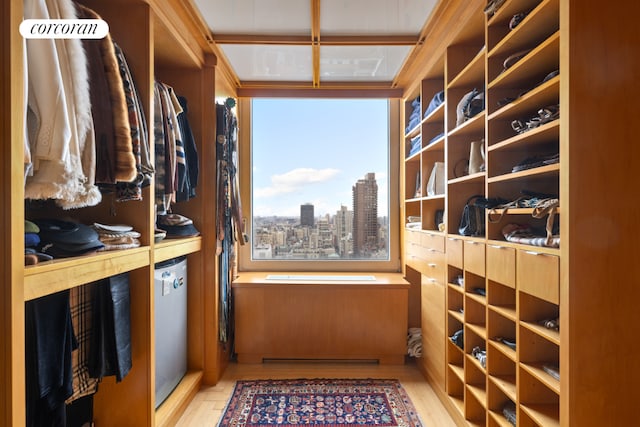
x: 295, y: 180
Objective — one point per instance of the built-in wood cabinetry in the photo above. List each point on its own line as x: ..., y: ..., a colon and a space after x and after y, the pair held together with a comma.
x: 158, y: 39
x: 500, y: 295
x: 336, y: 316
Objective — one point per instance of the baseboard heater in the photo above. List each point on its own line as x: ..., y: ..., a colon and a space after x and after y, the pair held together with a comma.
x: 325, y: 278
x: 320, y: 360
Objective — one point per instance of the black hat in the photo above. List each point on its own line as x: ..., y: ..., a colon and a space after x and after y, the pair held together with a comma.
x: 61, y: 238
x: 56, y: 230
x: 177, y: 226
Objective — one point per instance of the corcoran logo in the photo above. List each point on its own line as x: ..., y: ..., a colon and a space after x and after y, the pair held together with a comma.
x: 64, y: 28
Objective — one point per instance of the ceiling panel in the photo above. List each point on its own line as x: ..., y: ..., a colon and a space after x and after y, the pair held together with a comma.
x: 271, y: 40
x: 358, y: 17
x: 361, y: 63
x: 248, y: 17
x: 270, y: 62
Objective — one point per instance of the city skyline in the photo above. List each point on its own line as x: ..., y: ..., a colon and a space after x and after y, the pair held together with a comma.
x: 356, y: 233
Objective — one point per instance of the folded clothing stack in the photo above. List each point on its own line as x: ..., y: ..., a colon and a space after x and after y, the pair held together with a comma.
x: 117, y: 236
x: 414, y: 342
x: 414, y: 117
x: 31, y: 243
x: 414, y: 222
x: 62, y: 239
x: 436, y: 101
x: 509, y: 412
x: 415, y: 145
x: 176, y: 226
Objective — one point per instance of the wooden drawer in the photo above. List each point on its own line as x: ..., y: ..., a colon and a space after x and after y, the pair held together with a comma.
x: 538, y: 274
x: 412, y: 260
x: 435, y: 267
x: 454, y: 252
x: 412, y: 249
x: 412, y: 236
x: 432, y: 241
x: 474, y: 257
x: 433, y: 331
x: 501, y: 265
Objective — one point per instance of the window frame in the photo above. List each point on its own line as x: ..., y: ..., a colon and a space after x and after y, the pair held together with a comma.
x: 245, y: 263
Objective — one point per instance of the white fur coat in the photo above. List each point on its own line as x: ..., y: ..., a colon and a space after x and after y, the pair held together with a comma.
x: 60, y: 151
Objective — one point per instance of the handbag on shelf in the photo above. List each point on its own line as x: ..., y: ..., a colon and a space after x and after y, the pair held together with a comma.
x: 418, y: 192
x: 435, y: 185
x: 472, y: 220
x: 439, y: 220
x: 476, y: 157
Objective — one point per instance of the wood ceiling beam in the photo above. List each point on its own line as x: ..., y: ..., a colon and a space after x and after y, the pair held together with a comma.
x: 315, y: 39
x: 377, y: 40
x: 307, y: 90
x: 261, y: 39
x: 332, y: 40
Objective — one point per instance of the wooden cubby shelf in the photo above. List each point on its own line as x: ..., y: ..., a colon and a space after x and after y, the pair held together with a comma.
x: 539, y: 23
x: 65, y: 273
x: 508, y: 272
x: 172, y: 248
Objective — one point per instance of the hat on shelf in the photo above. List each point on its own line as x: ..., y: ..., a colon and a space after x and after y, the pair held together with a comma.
x: 117, y: 236
x: 112, y: 228
x: 177, y: 226
x: 30, y: 227
x: 31, y: 256
x: 159, y: 235
x: 31, y: 239
x: 62, y: 239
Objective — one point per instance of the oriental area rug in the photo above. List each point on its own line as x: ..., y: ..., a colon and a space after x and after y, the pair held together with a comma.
x: 319, y: 402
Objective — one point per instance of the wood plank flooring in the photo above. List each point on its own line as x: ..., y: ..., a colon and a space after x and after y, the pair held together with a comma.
x: 207, y: 406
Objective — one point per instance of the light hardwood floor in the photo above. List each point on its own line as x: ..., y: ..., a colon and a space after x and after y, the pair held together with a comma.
x: 207, y: 406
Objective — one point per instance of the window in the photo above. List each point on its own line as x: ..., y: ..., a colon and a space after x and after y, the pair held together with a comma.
x: 318, y: 178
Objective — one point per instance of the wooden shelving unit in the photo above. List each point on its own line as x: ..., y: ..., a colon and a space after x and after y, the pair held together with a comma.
x: 507, y: 287
x: 159, y: 43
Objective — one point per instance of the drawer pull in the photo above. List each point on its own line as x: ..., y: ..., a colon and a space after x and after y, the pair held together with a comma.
x: 533, y: 253
x: 432, y: 265
x: 432, y: 280
x: 497, y: 246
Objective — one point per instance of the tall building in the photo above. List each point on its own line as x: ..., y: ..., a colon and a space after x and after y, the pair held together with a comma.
x: 306, y: 215
x: 325, y: 235
x: 343, y: 230
x: 365, y: 215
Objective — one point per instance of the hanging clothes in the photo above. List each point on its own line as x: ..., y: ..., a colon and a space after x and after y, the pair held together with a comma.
x: 139, y: 135
x: 49, y: 341
x: 229, y: 212
x: 79, y: 406
x: 176, y: 156
x: 110, y: 352
x: 162, y: 203
x: 101, y: 106
x: 60, y: 152
x: 116, y: 151
x: 166, y: 125
x: 187, y: 179
x: 223, y: 225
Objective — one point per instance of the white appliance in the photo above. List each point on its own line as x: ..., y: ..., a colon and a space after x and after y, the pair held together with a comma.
x: 170, y: 296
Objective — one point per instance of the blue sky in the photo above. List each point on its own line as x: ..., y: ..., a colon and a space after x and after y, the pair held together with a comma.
x: 314, y: 151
